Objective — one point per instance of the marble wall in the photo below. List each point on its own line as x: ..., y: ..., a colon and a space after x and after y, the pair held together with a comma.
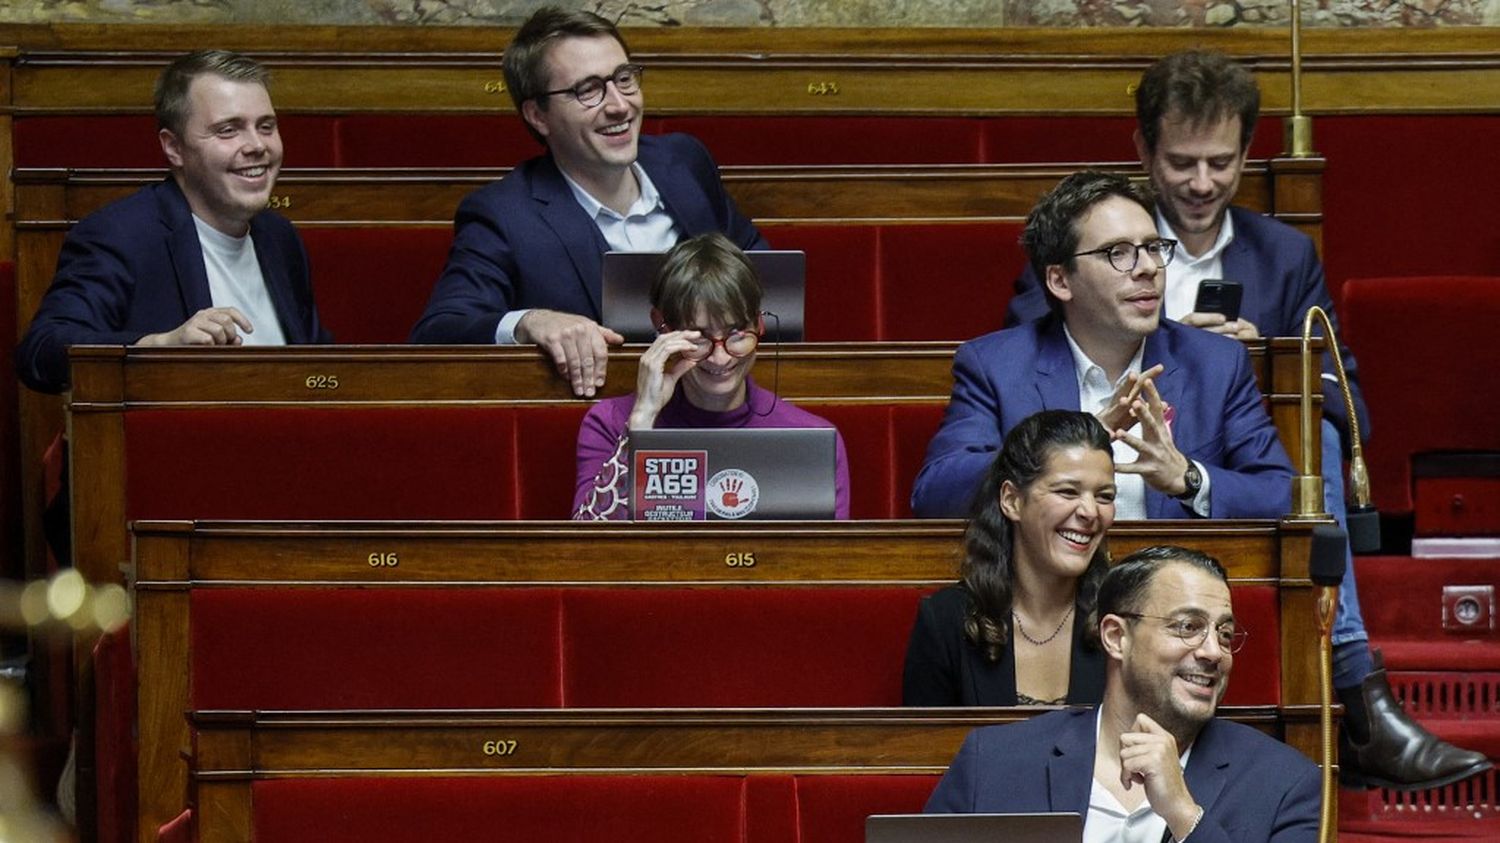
x: 961, y: 13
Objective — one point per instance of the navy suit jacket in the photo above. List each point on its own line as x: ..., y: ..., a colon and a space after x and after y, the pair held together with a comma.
x: 135, y: 267
x: 1001, y: 378
x: 525, y: 242
x: 1282, y: 278
x: 1253, y: 788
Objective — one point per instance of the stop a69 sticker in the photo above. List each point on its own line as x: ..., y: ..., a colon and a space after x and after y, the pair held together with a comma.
x: 732, y: 493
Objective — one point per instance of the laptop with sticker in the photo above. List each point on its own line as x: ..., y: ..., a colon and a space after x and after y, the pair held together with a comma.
x: 627, y: 278
x: 974, y: 828
x: 733, y: 474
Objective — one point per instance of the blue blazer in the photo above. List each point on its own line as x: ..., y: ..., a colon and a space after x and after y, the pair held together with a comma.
x: 134, y: 267
x: 1253, y: 788
x: 1003, y: 377
x: 1282, y: 276
x: 525, y: 242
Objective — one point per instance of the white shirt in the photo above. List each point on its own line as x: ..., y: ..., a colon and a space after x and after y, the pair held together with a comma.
x: 235, y: 280
x: 1186, y: 269
x: 1094, y: 394
x: 1109, y: 822
x: 644, y: 227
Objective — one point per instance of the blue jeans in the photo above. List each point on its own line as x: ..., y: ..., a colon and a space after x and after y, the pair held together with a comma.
x: 1351, y: 663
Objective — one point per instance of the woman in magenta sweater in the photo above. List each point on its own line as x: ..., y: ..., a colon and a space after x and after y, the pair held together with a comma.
x: 706, y: 304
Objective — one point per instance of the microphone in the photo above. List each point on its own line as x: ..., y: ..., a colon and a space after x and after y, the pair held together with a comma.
x: 1307, y: 487
x: 1325, y: 562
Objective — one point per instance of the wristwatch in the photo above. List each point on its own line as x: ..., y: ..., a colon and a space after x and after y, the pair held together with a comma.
x: 1192, y: 480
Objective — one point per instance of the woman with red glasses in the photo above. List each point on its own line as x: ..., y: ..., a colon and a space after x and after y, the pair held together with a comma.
x: 705, y: 303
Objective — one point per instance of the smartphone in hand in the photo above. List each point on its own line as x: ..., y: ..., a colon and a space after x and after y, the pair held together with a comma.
x: 1216, y: 295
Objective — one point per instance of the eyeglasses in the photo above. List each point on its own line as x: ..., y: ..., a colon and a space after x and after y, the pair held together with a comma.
x: 1193, y: 630
x: 1125, y: 256
x: 590, y: 92
x: 741, y: 342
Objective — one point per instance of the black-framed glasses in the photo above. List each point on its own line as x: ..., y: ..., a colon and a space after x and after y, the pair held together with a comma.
x: 590, y: 92
x: 1125, y: 256
x: 741, y: 342
x: 1193, y: 630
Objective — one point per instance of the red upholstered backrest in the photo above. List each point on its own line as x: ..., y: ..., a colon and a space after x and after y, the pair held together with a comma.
x: 832, y: 809
x: 1054, y: 138
x: 736, y: 646
x: 829, y: 139
x: 371, y: 284
x: 912, y: 427
x: 909, y: 281
x: 130, y: 140
x: 946, y: 281
x: 1427, y: 355
x: 866, y: 429
x: 113, y: 733
x: 522, y: 809
x: 1256, y: 679
x: 332, y: 648
x: 546, y: 445
x: 1386, y: 175
x: 434, y: 140
x: 315, y: 463
x: 841, y: 260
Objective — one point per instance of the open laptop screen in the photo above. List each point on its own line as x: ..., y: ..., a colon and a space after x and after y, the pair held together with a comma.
x: 627, y: 278
x: 733, y: 473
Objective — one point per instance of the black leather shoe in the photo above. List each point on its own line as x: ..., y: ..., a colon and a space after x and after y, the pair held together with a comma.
x: 1399, y: 754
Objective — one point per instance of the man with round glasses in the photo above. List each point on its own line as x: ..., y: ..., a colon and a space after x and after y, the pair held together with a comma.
x: 1191, y: 437
x: 1152, y: 762
x: 527, y: 252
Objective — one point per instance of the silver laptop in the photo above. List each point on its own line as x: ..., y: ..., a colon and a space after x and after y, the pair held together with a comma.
x: 974, y: 828
x: 627, y: 281
x: 730, y: 474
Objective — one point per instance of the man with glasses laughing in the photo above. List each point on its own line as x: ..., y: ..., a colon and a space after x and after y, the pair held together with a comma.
x: 1152, y: 762
x: 1191, y: 438
x: 528, y: 250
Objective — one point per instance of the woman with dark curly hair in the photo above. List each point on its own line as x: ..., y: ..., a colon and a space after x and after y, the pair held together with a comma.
x: 1015, y: 629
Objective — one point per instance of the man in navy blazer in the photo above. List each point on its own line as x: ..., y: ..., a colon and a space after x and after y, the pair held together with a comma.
x: 1152, y: 762
x: 196, y: 259
x: 527, y: 251
x: 1196, y: 114
x: 1181, y: 403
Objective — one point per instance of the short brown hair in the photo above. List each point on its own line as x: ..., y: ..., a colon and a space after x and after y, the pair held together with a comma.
x: 711, y: 272
x: 1202, y: 86
x: 171, y: 92
x: 1051, y: 233
x: 525, y: 60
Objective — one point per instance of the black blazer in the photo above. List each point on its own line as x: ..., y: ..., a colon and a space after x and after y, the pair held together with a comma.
x: 945, y: 668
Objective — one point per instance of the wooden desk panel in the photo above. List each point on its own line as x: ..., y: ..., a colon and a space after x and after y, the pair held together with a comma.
x: 172, y: 558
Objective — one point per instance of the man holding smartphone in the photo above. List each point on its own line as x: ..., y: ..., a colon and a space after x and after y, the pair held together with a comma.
x: 1196, y: 114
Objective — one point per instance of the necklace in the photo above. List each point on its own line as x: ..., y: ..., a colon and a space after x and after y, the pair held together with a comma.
x: 1048, y: 639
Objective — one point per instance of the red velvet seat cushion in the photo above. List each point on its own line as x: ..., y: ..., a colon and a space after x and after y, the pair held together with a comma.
x: 834, y: 139
x: 287, y: 464
x: 523, y: 809
x: 1422, y: 369
x: 332, y: 648
x: 371, y: 284
x: 736, y: 646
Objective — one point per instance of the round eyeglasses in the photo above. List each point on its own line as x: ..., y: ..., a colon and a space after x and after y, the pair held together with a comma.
x: 1193, y: 630
x: 740, y: 342
x: 590, y: 92
x: 1125, y: 256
